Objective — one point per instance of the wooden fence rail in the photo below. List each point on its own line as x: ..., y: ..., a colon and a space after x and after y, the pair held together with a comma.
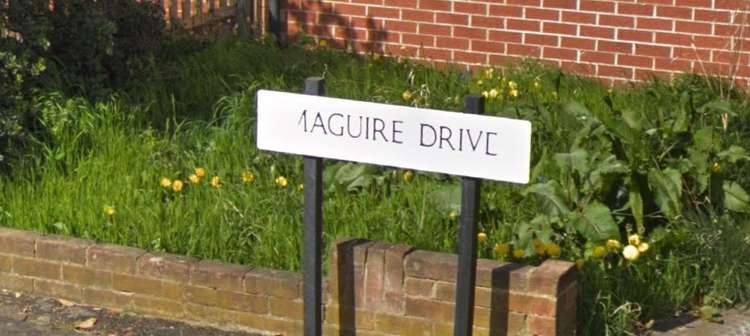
x: 194, y: 14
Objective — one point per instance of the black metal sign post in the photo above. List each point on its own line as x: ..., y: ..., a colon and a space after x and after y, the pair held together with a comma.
x: 313, y: 231
x: 313, y: 236
x: 467, y: 241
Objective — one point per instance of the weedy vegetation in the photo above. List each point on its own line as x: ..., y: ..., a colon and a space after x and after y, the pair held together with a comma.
x: 644, y: 187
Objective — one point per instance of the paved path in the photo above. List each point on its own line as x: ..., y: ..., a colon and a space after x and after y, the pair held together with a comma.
x: 734, y: 322
x: 25, y: 315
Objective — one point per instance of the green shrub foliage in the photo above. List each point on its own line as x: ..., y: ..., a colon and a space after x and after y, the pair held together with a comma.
x: 23, y: 44
x: 90, y: 46
x: 98, y: 44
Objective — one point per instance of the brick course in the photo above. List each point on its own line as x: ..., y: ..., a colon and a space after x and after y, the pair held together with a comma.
x: 486, y: 32
x: 374, y: 288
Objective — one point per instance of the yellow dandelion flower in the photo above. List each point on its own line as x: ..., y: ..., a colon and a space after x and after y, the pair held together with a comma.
x: 501, y: 249
x: 716, y: 168
x: 300, y: 187
x: 493, y: 93
x: 599, y: 251
x: 480, y: 82
x: 643, y: 247
x: 109, y: 210
x: 408, y: 176
x: 580, y: 263
x: 485, y: 94
x: 518, y: 253
x: 200, y: 172
x: 216, y: 182
x: 481, y: 237
x: 177, y: 186
x: 613, y: 245
x: 537, y: 85
x: 452, y: 215
x: 165, y: 182
x: 634, y: 240
x: 553, y: 250
x: 248, y: 177
x: 194, y: 179
x: 513, y: 93
x: 281, y: 181
x: 512, y: 85
x: 489, y: 73
x: 630, y: 253
x: 407, y: 95
x: 323, y: 43
x: 538, y: 247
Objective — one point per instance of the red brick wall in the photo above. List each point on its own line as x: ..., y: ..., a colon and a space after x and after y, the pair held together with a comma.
x: 612, y: 39
x: 375, y: 289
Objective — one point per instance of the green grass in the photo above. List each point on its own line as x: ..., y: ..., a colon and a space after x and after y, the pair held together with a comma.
x: 197, y: 110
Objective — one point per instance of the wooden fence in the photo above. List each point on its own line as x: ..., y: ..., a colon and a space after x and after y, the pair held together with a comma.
x: 248, y: 15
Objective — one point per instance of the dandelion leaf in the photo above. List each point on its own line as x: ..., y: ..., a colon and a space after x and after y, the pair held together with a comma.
x: 635, y: 201
x: 596, y: 223
x: 736, y: 198
x: 553, y: 193
x: 667, y: 188
x: 733, y: 154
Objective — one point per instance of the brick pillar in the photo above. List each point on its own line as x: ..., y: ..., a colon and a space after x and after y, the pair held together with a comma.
x: 393, y: 289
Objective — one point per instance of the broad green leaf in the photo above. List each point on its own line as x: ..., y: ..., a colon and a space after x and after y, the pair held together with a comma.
x: 602, y: 178
x: 667, y: 187
x: 699, y: 159
x: 636, y: 207
x: 542, y: 226
x: 524, y: 234
x: 596, y: 223
x: 633, y: 118
x: 733, y: 154
x: 552, y: 192
x: 618, y: 128
x: 718, y: 105
x: 355, y: 176
x: 736, y: 198
x: 577, y: 110
x: 540, y: 166
x: 578, y: 160
x: 610, y: 165
x: 681, y: 120
x: 703, y: 139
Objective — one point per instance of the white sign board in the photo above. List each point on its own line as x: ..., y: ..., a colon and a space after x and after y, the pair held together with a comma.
x: 391, y: 135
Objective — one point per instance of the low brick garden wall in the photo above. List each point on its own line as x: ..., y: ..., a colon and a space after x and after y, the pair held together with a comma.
x: 373, y: 289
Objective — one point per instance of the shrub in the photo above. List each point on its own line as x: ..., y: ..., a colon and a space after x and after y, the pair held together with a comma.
x: 100, y: 44
x: 23, y: 42
x: 93, y: 46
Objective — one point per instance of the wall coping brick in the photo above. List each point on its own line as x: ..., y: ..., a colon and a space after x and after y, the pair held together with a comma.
x: 373, y: 288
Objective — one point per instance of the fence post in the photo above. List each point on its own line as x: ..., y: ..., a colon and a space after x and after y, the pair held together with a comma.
x: 187, y: 16
x: 274, y: 19
x: 173, y: 12
x: 241, y: 18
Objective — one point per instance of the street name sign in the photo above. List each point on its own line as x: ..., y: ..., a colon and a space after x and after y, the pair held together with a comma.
x: 467, y: 144
x: 453, y: 143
